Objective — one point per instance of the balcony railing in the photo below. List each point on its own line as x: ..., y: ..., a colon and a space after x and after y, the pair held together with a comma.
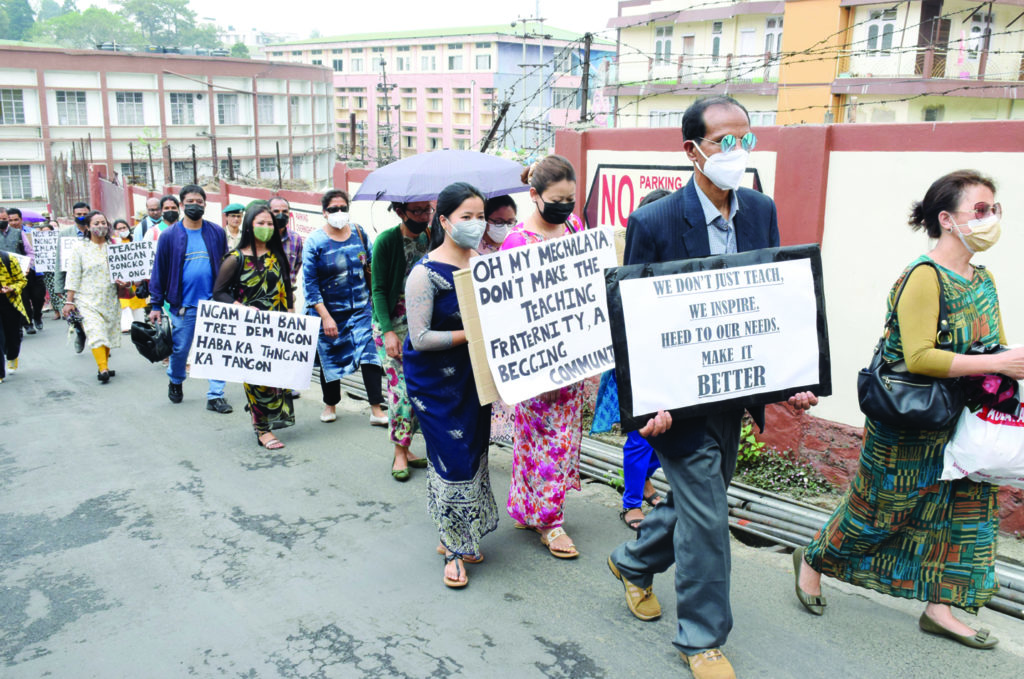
x: 704, y: 69
x: 934, y: 63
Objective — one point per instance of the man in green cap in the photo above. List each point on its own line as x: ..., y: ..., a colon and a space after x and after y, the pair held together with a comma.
x: 233, y: 224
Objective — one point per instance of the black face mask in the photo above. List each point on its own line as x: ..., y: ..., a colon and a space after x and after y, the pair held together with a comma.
x: 416, y: 227
x: 170, y: 216
x: 556, y: 213
x: 80, y: 220
x: 281, y: 221
x: 3, y: 223
x: 194, y: 212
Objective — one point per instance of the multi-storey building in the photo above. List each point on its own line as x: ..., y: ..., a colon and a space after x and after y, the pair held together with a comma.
x: 819, y: 61
x: 414, y: 91
x: 116, y: 107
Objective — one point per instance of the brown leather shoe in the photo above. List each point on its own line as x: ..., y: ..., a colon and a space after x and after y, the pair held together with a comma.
x: 641, y: 602
x: 709, y: 664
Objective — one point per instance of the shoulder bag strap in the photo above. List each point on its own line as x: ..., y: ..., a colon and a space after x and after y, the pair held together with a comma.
x: 944, y: 336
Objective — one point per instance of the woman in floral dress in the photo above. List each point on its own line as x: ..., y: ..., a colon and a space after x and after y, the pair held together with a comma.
x: 256, y: 275
x: 549, y: 427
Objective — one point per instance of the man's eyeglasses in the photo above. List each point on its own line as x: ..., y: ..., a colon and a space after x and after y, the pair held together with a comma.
x: 498, y: 222
x: 336, y: 208
x: 728, y: 142
x: 420, y: 211
x: 983, y: 210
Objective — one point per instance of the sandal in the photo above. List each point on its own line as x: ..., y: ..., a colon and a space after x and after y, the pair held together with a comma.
x: 632, y: 523
x: 416, y: 462
x: 270, y: 444
x: 654, y: 499
x: 547, y: 538
x: 454, y: 584
x: 466, y: 558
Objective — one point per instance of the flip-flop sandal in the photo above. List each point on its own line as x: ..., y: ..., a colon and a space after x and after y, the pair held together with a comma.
x: 654, y: 499
x: 466, y: 558
x: 551, y: 536
x: 632, y: 523
x: 454, y: 584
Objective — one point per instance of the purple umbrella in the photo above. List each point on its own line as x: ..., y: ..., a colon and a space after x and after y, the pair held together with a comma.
x: 31, y: 216
x: 421, y: 177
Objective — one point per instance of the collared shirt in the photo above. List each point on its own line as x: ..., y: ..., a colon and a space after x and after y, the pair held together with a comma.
x: 293, y: 251
x: 721, y: 231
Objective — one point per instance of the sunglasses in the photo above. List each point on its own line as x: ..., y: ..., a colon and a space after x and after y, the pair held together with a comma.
x: 728, y: 142
x: 983, y: 210
x: 336, y: 208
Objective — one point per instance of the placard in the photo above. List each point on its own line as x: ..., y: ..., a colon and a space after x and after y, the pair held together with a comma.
x: 543, y: 312
x: 44, y: 245
x: 131, y: 262
x: 67, y: 246
x: 702, y: 335
x: 23, y: 261
x: 237, y: 343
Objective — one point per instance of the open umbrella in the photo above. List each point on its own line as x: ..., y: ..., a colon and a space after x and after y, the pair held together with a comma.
x: 31, y: 216
x: 423, y: 176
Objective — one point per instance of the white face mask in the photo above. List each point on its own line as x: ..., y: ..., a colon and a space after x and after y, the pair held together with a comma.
x: 497, y: 232
x: 467, y: 234
x: 984, y: 233
x: 725, y: 170
x: 337, y: 219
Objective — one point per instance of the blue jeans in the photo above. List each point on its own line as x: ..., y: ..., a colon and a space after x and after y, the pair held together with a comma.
x: 183, y: 328
x: 638, y: 464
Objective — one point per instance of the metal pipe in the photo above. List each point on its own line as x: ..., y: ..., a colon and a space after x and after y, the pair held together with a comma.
x: 1011, y: 595
x: 778, y: 536
x: 1006, y: 607
x: 797, y: 519
x: 771, y: 522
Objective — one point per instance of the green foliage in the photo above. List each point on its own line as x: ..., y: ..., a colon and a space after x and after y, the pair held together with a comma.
x: 87, y: 29
x: 240, y: 50
x: 615, y: 479
x: 4, y: 21
x: 783, y: 473
x: 48, y: 9
x: 20, y: 18
x: 750, y: 448
x: 169, y: 23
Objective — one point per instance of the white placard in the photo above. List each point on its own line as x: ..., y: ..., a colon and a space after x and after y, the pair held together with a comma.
x: 44, y: 245
x: 23, y: 261
x: 709, y: 336
x: 131, y: 262
x: 544, y: 313
x: 237, y: 343
x: 67, y: 246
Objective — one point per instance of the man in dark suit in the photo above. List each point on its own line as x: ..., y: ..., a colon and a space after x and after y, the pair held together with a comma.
x: 711, y: 215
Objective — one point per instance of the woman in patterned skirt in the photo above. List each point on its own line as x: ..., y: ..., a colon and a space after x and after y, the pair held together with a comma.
x: 440, y: 381
x: 90, y: 293
x: 256, y: 275
x: 900, y: 530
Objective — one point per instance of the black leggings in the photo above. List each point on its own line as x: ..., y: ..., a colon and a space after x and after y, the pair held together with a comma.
x: 34, y: 296
x: 372, y: 375
x: 10, y: 332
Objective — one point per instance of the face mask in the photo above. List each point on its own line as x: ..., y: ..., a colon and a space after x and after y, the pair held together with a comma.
x: 497, y: 232
x: 416, y: 227
x: 123, y: 233
x: 337, y: 219
x: 100, y: 231
x: 467, y: 234
x: 280, y: 221
x: 556, y: 213
x: 170, y: 216
x: 194, y: 212
x: 80, y: 220
x: 725, y: 170
x: 3, y: 223
x: 263, y: 233
x: 984, y: 233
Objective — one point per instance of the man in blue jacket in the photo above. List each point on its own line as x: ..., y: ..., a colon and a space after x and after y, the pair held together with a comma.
x: 711, y: 215
x: 188, y: 257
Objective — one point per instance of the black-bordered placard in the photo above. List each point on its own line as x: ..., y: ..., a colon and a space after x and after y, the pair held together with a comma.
x: 702, y: 335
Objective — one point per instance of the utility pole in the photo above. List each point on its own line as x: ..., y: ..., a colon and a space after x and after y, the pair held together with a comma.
x: 585, y: 82
x: 277, y: 145
x: 386, y: 138
x: 152, y: 177
x: 195, y: 166
x: 131, y: 154
x: 494, y: 128
x: 231, y: 165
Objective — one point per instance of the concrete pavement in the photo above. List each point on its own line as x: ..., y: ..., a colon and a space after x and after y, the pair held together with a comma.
x: 144, y: 539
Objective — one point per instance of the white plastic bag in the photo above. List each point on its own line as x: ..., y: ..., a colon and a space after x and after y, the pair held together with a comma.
x: 987, y: 446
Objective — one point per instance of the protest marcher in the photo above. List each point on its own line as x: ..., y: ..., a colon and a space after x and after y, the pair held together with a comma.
x: 900, y: 530
x: 548, y: 428
x: 77, y: 231
x: 233, y: 224
x: 256, y: 275
x: 132, y: 306
x: 91, y: 293
x: 439, y: 379
x: 12, y: 313
x: 292, y: 242
x: 335, y: 260
x: 188, y: 257
x: 121, y: 231
x: 151, y: 219
x: 170, y: 213
x: 34, y: 295
x: 711, y: 215
x: 395, y: 250
x: 50, y: 278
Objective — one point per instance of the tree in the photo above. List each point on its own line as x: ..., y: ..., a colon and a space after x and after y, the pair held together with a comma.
x: 68, y: 7
x: 160, y: 21
x: 87, y: 29
x: 240, y: 50
x: 48, y: 9
x: 4, y: 22
x: 20, y: 18
x: 198, y: 36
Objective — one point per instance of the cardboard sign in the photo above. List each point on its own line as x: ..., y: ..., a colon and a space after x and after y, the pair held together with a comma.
x: 23, y: 261
x: 131, y: 262
x: 543, y: 313
x: 237, y: 343
x: 45, y: 244
x: 702, y: 335
x: 67, y: 246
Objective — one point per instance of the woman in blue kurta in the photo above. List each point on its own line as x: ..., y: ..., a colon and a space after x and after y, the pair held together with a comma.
x: 334, y: 264
x: 439, y: 378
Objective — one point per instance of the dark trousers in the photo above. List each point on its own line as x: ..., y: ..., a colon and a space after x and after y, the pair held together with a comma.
x: 10, y: 333
x: 34, y: 296
x: 372, y: 375
x: 691, y: 529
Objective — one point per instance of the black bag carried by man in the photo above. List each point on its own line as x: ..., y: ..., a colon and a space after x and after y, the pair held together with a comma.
x: 153, y: 341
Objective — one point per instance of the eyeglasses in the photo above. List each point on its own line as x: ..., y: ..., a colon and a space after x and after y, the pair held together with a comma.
x: 279, y: 212
x: 728, y: 142
x: 498, y: 222
x: 982, y: 210
x: 336, y: 208
x: 419, y: 211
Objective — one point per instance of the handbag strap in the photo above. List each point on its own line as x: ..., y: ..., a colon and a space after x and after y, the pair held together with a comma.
x: 943, y: 336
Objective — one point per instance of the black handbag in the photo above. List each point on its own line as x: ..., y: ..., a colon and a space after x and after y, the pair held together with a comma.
x: 892, y: 395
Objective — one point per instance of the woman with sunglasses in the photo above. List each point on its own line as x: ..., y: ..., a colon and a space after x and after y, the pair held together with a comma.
x: 900, y: 530
x: 335, y: 261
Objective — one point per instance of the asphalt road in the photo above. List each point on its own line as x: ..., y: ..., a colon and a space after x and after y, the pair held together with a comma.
x: 144, y: 539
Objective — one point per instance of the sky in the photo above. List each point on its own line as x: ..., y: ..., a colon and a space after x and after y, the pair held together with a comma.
x: 356, y: 16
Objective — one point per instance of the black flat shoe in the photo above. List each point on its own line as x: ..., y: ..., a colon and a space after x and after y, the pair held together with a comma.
x: 103, y: 376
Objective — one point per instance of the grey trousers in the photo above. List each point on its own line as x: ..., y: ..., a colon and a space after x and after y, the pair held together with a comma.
x: 691, y: 529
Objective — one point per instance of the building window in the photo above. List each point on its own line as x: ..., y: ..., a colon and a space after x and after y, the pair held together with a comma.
x: 318, y: 62
x: 337, y: 51
x: 182, y: 172
x: 129, y: 108
x: 357, y: 65
x: 235, y: 163
x: 666, y: 118
x: 182, y: 109
x: 408, y: 141
x: 15, y: 182
x: 360, y: 102
x: 716, y: 41
x: 462, y: 105
x: 428, y: 63
x: 933, y: 114
x: 663, y: 44
x: 762, y: 118
x: 881, y: 23
x: 461, y: 144
x: 138, y: 176
x: 277, y: 54
x: 297, y: 53
x: 71, y: 108
x: 434, y: 104
x: 316, y: 52
x: 338, y: 65
x: 12, y: 107
x: 268, y: 168
x: 433, y: 143
x: 563, y: 61
x: 408, y: 104
x: 773, y: 36
x: 981, y: 26
x: 403, y: 63
x: 227, y: 109
x: 455, y: 62
x: 483, y: 62
x: 293, y: 107
x: 265, y: 102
